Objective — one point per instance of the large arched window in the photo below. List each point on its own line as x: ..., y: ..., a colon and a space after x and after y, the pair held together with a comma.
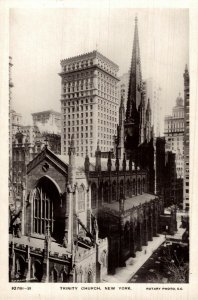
x: 114, y: 198
x: 43, y: 211
x: 48, y: 209
x: 93, y: 195
x: 81, y: 198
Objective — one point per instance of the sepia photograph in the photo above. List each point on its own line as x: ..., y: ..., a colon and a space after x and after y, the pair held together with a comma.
x: 99, y: 145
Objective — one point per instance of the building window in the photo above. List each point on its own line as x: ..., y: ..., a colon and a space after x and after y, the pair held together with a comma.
x: 81, y: 198
x: 42, y: 210
x: 93, y: 195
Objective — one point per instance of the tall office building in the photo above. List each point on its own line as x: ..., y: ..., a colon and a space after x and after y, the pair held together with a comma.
x: 186, y: 139
x: 123, y: 87
x: 89, y: 103
x: 174, y: 134
x: 48, y: 120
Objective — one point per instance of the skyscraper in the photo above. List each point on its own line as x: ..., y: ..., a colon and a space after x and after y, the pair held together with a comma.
x: 89, y: 102
x: 174, y: 134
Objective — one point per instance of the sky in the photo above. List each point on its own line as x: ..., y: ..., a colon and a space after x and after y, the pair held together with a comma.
x: 40, y: 38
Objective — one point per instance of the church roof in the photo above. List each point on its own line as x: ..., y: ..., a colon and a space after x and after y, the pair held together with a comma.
x: 130, y: 202
x: 92, y: 162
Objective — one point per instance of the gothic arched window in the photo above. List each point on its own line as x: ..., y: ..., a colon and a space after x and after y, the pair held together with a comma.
x: 93, y: 195
x: 43, y: 210
x: 81, y: 198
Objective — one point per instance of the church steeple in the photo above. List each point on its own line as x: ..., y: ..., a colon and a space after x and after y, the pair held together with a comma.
x: 135, y: 80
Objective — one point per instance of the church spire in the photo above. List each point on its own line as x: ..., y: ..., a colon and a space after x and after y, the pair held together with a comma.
x: 135, y: 80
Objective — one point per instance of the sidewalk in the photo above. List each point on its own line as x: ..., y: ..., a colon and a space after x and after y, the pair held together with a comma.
x: 124, y: 274
x: 178, y: 235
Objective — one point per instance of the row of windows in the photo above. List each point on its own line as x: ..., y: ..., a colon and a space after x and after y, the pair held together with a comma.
x: 176, y: 125
x: 77, y: 89
x: 112, y: 108
x: 77, y: 82
x: 106, y: 77
x: 107, y: 103
x: 108, y: 117
x: 107, y: 83
x: 106, y: 89
x: 86, y: 141
x: 82, y: 121
x: 76, y: 95
x: 73, y: 117
x: 108, y: 97
x: 73, y: 124
x: 106, y: 123
x: 110, y: 143
x: 79, y: 75
x: 77, y: 135
x: 106, y: 67
x: 78, y: 101
x: 77, y: 122
x: 78, y: 108
x: 105, y: 129
x: 109, y: 111
x: 86, y: 135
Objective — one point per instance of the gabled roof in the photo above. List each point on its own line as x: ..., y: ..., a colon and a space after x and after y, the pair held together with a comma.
x: 48, y: 155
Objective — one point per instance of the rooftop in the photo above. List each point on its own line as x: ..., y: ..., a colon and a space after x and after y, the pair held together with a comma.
x: 131, y: 202
x: 94, y: 53
x: 50, y: 111
x: 92, y: 160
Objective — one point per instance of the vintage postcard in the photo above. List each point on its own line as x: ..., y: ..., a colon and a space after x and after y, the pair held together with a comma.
x: 98, y: 117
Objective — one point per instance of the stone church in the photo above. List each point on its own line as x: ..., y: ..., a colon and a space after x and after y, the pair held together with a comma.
x: 84, y: 217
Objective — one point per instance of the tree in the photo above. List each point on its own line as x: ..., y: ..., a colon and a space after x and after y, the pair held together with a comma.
x: 174, y: 265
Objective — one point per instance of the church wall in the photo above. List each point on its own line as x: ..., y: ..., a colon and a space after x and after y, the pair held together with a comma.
x: 85, y: 269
